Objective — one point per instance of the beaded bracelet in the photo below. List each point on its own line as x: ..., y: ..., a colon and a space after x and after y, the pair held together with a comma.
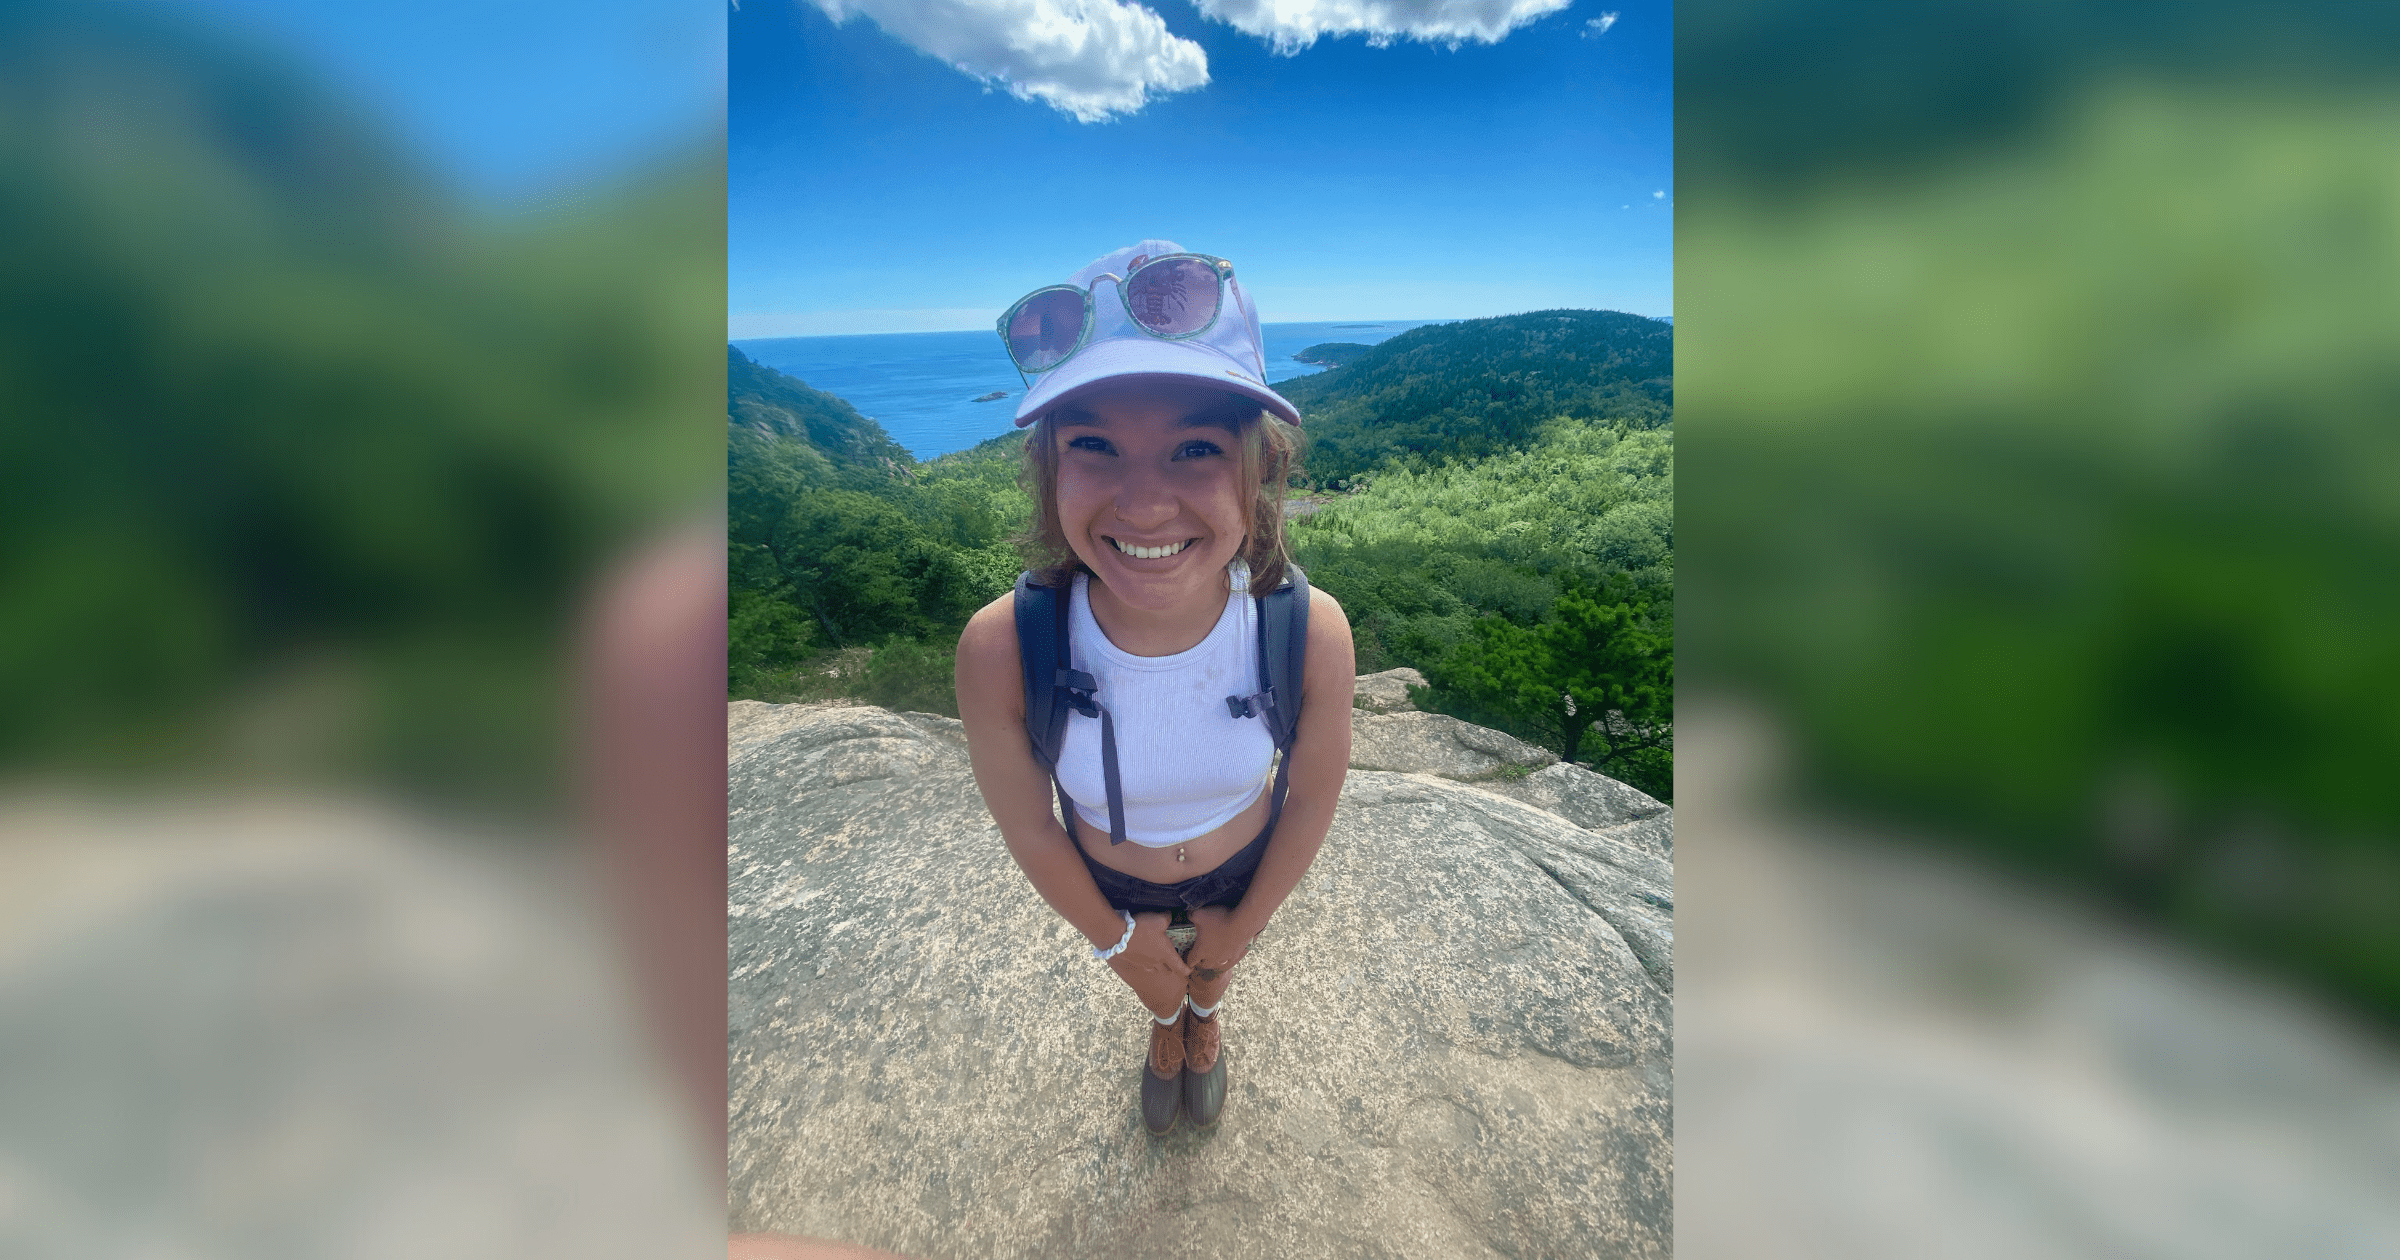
x: 1105, y: 954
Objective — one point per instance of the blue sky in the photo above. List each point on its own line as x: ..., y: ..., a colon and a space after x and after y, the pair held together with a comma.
x: 513, y: 101
x: 874, y: 188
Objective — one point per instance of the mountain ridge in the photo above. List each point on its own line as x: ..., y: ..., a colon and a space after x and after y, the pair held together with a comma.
x: 768, y: 402
x: 1474, y: 388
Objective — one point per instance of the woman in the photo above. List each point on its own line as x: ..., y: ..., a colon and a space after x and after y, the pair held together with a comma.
x: 1157, y: 464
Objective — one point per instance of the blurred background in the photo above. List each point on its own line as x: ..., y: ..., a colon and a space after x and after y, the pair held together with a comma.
x: 2040, y: 670
x: 358, y: 401
x: 359, y: 392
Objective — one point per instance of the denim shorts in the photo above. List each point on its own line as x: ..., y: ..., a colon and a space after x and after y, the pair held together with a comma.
x: 1223, y: 886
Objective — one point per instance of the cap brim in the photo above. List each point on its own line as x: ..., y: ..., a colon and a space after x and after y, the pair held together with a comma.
x: 1121, y: 362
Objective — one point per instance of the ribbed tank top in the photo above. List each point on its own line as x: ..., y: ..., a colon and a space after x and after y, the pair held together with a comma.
x: 1187, y: 766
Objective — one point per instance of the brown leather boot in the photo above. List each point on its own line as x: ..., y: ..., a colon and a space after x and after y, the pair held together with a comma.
x: 1203, y: 1068
x: 1162, y: 1076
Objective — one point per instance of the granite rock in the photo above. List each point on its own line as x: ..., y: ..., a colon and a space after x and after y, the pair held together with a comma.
x: 1438, y: 744
x: 1387, y: 692
x: 1599, y: 803
x: 1454, y: 1039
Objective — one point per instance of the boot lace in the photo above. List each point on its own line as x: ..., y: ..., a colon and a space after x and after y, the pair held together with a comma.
x: 1200, y: 1042
x: 1166, y: 1048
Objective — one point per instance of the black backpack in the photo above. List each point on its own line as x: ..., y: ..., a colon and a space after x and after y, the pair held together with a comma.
x: 1053, y: 686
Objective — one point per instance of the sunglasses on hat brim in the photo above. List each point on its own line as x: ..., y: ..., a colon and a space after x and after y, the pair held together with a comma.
x: 1173, y: 297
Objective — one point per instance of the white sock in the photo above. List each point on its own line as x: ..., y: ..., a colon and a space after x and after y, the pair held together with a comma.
x: 1169, y: 1019
x: 1203, y: 1011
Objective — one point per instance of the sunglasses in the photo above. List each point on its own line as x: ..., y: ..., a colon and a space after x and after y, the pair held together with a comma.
x: 1173, y: 297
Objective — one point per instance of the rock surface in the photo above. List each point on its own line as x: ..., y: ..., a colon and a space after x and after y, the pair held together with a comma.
x: 1436, y: 743
x: 1453, y: 1040
x: 1902, y: 1052
x: 1599, y: 803
x: 260, y: 1024
x: 1387, y: 692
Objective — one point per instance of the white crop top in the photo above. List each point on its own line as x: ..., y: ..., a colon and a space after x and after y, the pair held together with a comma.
x: 1186, y: 765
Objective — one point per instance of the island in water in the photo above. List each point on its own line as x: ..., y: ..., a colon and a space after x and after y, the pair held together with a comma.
x: 997, y: 393
x: 1331, y: 353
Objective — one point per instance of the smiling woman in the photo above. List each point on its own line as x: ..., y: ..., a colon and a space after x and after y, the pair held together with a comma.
x: 1075, y: 453
x: 1156, y: 467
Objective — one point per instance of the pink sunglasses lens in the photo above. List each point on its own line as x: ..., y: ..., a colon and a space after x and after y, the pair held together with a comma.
x: 1045, y: 329
x: 1174, y: 299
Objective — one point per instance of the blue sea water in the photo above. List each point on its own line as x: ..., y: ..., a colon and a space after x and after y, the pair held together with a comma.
x: 921, y: 387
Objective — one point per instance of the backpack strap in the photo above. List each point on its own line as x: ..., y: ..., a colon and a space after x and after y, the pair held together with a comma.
x: 1041, y: 635
x: 1053, y: 688
x: 1282, y: 664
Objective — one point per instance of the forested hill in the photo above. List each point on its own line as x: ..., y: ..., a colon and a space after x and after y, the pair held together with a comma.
x: 1482, y: 386
x: 839, y: 543
x: 1332, y: 353
x: 765, y: 401
x: 1531, y: 580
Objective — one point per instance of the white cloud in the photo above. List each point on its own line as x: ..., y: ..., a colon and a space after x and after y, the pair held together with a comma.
x: 1291, y: 25
x: 1661, y: 194
x: 1089, y: 58
x: 1598, y: 26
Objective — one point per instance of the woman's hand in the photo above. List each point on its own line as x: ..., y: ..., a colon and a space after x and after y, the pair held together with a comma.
x: 1149, y: 957
x: 1220, y: 944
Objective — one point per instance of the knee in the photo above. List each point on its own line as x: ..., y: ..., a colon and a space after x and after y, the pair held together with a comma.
x: 1207, y: 981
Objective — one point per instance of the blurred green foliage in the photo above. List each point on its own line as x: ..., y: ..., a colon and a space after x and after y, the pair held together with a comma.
x: 1778, y: 96
x: 2049, y: 490
x: 1479, y: 387
x: 303, y: 469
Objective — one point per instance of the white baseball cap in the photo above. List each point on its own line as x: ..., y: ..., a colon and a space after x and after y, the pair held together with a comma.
x: 1230, y: 356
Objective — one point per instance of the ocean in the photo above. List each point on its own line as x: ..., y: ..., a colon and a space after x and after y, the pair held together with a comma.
x: 921, y: 387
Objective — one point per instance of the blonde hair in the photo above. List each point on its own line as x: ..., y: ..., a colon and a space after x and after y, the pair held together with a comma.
x: 1270, y: 454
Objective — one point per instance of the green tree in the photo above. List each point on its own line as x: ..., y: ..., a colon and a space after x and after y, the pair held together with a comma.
x: 1594, y: 682
x: 907, y: 676
x: 863, y: 570
x: 765, y: 633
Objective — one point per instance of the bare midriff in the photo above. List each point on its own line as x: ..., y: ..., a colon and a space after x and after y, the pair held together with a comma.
x: 1201, y: 854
